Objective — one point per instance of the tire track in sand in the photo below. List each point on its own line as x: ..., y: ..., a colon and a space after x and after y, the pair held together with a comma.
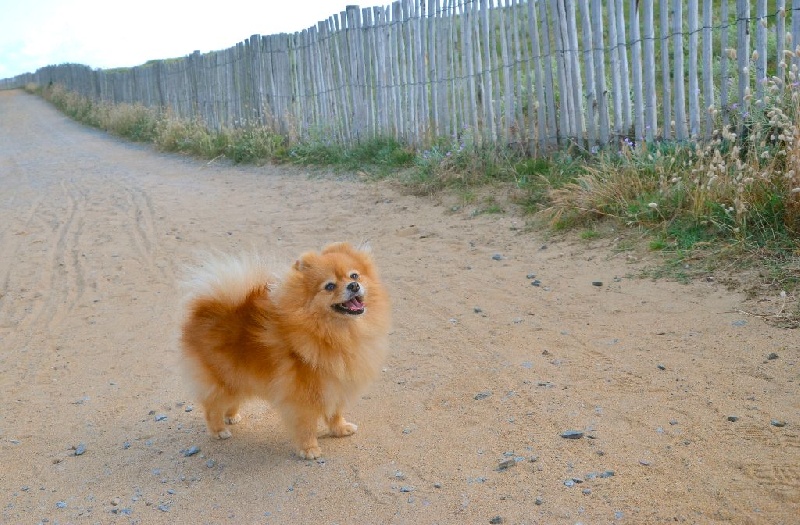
x: 142, y: 220
x: 61, y: 280
x: 14, y: 232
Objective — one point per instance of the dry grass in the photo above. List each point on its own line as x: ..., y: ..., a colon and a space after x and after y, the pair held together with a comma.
x: 745, y: 185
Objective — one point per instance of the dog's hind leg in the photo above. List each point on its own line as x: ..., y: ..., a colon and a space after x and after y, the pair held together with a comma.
x: 339, y: 427
x: 232, y: 415
x: 220, y: 408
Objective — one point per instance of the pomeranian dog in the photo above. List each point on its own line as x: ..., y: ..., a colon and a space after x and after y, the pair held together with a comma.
x: 309, y: 342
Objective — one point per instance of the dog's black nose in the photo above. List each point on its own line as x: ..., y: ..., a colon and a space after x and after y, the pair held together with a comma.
x: 353, y: 287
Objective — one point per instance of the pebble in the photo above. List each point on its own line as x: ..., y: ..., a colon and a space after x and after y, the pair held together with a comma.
x: 531, y: 276
x: 661, y: 367
x: 607, y: 474
x: 210, y: 463
x: 536, y: 283
x: 160, y: 417
x: 739, y: 322
x: 587, y: 491
x: 597, y: 283
x: 477, y: 310
x: 406, y: 489
x: 497, y: 519
x: 507, y: 464
x: 191, y: 451
x: 772, y: 356
x: 61, y: 504
x: 572, y: 434
x: 80, y: 449
x: 116, y: 501
x: 164, y: 507
x: 188, y: 408
x: 482, y: 395
x: 538, y: 501
x: 733, y: 419
x: 126, y: 445
x: 777, y: 423
x: 498, y: 257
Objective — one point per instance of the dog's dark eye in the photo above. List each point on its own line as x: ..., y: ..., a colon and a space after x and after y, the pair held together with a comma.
x: 330, y: 286
x: 354, y: 276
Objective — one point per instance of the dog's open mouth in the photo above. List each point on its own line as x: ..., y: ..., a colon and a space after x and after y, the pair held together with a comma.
x: 354, y: 306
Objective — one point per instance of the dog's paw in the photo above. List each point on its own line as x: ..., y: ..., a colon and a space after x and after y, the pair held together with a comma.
x: 222, y: 434
x: 232, y: 420
x: 312, y: 452
x: 344, y: 429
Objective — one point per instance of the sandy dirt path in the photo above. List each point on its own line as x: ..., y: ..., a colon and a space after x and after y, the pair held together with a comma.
x: 464, y: 426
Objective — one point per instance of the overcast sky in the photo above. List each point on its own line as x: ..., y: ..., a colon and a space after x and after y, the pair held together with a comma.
x: 107, y: 34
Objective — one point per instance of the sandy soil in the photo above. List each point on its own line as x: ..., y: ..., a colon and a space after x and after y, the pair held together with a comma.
x: 486, y: 371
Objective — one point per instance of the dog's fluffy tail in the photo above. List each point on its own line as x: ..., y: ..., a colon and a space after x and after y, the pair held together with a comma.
x: 227, y: 279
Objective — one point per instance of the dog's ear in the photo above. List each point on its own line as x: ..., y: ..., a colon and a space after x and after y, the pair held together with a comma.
x: 346, y: 247
x: 338, y: 247
x: 306, y: 261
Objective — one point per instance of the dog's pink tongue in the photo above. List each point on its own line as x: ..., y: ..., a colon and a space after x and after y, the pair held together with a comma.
x: 354, y: 304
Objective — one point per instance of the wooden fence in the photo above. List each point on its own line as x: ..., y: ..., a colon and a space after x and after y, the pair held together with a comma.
x: 529, y: 73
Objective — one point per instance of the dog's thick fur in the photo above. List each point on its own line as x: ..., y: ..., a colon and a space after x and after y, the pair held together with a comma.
x: 309, y: 342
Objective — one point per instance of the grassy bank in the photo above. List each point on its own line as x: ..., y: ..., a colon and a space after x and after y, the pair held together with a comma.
x: 731, y: 204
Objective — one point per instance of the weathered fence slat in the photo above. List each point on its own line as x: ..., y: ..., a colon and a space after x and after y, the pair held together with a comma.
x: 681, y: 132
x: 649, y: 69
x: 636, y: 58
x: 708, y: 71
x: 743, y: 56
x: 666, y: 73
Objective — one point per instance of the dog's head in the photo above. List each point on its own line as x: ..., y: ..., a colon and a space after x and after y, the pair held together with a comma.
x: 340, y: 280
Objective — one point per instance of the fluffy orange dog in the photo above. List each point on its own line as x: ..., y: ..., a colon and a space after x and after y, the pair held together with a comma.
x: 309, y: 342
